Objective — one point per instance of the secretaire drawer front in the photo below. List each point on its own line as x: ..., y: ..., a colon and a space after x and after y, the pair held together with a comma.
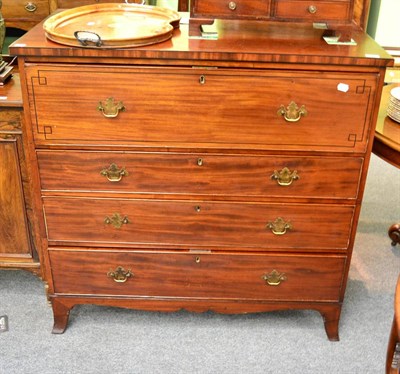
x: 220, y: 276
x: 22, y: 9
x: 202, y: 174
x: 234, y: 9
x: 276, y: 110
x: 103, y: 222
x: 339, y: 10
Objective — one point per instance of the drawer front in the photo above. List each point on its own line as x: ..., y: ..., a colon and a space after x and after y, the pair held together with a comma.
x: 225, y: 108
x: 10, y: 120
x: 201, y: 174
x: 76, y: 3
x: 234, y: 9
x: 22, y: 9
x: 190, y: 224
x: 219, y: 276
x: 313, y: 10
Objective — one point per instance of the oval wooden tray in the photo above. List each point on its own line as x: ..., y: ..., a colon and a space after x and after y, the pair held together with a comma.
x: 111, y: 25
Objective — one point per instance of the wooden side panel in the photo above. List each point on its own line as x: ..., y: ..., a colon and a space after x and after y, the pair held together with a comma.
x: 13, y: 226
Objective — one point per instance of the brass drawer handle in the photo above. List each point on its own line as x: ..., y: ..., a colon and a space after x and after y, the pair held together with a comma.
x: 120, y: 275
x: 274, y: 278
x: 30, y: 7
x: 232, y: 5
x: 116, y: 220
x: 292, y: 113
x: 285, y: 177
x: 113, y: 173
x: 279, y: 226
x: 110, y: 108
x: 312, y: 9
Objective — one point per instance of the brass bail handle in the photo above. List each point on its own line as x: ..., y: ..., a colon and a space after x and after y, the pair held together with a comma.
x: 120, y: 275
x: 116, y: 220
x: 279, y: 226
x: 292, y: 113
x: 285, y: 177
x: 113, y: 173
x: 274, y: 278
x: 110, y: 108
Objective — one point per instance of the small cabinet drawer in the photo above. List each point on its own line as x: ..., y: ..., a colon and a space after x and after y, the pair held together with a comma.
x: 135, y: 107
x: 63, y: 4
x: 232, y: 8
x: 200, y: 174
x: 211, y: 276
x: 313, y: 10
x: 23, y: 9
x: 193, y: 224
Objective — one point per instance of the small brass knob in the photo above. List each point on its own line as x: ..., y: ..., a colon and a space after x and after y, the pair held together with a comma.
x: 232, y: 5
x: 312, y: 9
x: 30, y: 7
x: 197, y: 208
x: 197, y: 259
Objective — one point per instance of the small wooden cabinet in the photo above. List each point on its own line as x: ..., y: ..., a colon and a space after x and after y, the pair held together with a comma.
x: 329, y: 14
x: 222, y: 175
x: 24, y: 14
x: 16, y: 245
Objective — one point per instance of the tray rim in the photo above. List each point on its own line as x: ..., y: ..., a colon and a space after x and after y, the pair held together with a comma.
x: 172, y: 19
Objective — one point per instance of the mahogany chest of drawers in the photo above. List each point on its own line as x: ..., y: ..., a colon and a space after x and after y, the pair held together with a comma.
x: 221, y: 175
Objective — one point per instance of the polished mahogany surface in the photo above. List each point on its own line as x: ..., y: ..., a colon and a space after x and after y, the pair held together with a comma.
x: 239, y: 41
x: 197, y: 173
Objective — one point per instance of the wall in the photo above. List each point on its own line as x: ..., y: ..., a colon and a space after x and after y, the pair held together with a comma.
x: 384, y: 23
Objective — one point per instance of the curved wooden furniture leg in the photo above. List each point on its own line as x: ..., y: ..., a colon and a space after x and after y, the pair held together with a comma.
x: 331, y: 321
x: 61, y: 315
x: 394, y: 233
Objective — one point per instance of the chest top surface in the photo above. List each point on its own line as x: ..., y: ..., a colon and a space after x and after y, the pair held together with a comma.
x: 238, y: 40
